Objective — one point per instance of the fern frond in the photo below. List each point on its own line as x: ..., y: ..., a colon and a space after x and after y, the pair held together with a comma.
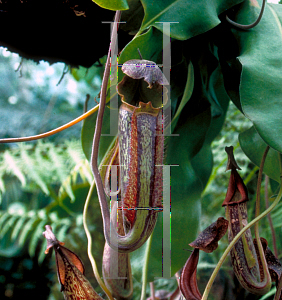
x: 31, y: 169
x: 42, y: 159
x: 62, y: 171
x: 18, y: 227
x: 75, y: 152
x: 61, y: 233
x: 81, y: 168
x: 11, y: 164
x: 42, y: 255
x: 3, y: 219
x: 8, y: 225
x: 65, y: 187
x: 85, y: 171
x: 36, y: 236
x: 28, y: 227
x: 2, y: 186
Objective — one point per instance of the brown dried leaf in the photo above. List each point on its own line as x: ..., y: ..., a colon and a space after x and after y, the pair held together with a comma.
x: 237, y: 191
x: 70, y: 270
x: 188, y: 279
x: 208, y: 239
x: 231, y: 164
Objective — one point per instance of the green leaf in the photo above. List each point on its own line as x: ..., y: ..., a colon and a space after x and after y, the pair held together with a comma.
x: 202, y: 164
x: 254, y: 146
x: 132, y: 17
x: 261, y: 77
x: 219, y: 95
x: 186, y: 95
x: 192, y: 17
x: 112, y: 4
x: 150, y: 45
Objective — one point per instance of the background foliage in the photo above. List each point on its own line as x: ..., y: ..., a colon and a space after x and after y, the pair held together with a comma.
x: 212, y: 63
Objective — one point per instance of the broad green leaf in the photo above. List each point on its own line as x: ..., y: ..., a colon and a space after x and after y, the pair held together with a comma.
x: 261, y: 77
x: 133, y: 17
x: 150, y: 45
x: 186, y: 95
x: 202, y: 164
x: 254, y: 146
x: 216, y: 88
x: 112, y: 4
x: 203, y: 161
x: 189, y: 18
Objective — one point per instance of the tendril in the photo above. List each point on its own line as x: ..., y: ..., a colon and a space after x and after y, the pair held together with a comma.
x: 250, y: 26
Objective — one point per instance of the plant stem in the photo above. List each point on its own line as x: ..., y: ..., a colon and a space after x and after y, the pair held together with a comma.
x: 145, y: 267
x: 94, y: 158
x: 51, y: 132
x: 258, y: 190
x: 97, y: 134
x: 152, y: 288
x: 89, y: 246
x: 247, y: 27
x: 269, y: 217
x: 236, y: 238
x: 176, y: 294
x: 264, y: 273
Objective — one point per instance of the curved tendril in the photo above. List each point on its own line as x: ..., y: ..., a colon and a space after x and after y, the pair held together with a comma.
x: 89, y: 246
x: 95, y: 147
x: 131, y: 241
x: 96, y: 139
x: 51, y: 132
x: 247, y: 27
